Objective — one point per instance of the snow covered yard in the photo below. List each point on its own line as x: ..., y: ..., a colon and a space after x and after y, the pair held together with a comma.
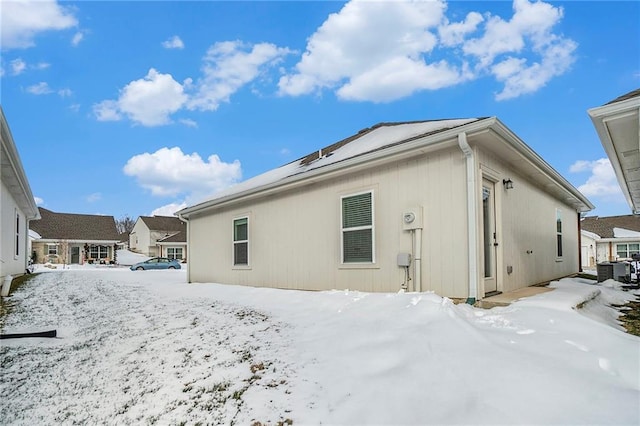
x: 147, y: 348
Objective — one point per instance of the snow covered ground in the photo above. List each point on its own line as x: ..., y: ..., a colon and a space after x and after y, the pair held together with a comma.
x: 147, y: 348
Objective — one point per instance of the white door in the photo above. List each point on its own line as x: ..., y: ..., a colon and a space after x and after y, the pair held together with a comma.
x: 490, y: 243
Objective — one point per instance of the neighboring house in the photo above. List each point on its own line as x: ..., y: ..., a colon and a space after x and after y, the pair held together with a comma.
x: 70, y: 238
x: 159, y: 236
x: 461, y: 207
x: 617, y: 124
x: 123, y: 241
x: 17, y: 207
x: 611, y: 238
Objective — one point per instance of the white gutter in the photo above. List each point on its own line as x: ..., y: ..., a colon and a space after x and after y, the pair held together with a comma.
x: 471, y: 217
x: 417, y: 261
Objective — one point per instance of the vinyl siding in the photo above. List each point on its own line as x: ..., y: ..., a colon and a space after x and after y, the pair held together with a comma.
x: 294, y: 238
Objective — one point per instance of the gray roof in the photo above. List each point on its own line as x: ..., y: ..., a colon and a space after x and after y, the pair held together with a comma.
x: 167, y: 224
x: 71, y: 226
x: 603, y: 226
x: 630, y: 95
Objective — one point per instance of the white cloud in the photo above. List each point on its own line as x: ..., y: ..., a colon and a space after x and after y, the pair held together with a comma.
x: 39, y: 201
x: 92, y: 198
x: 227, y: 67
x: 169, y: 209
x: 173, y: 43
x: 149, y: 101
x: 41, y: 66
x: 65, y: 92
x: 366, y: 40
x: 77, y: 38
x: 170, y: 172
x: 17, y: 66
x: 41, y: 88
x: 23, y: 20
x: 602, y: 182
x: 188, y: 122
x: 383, y: 51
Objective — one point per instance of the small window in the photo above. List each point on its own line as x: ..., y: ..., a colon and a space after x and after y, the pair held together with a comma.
x: 357, y: 228
x: 52, y: 249
x: 174, y: 253
x: 99, y: 252
x: 17, y: 248
x: 241, y: 241
x: 558, y: 233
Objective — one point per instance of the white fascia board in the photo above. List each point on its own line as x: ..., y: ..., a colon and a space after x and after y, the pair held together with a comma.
x: 62, y: 240
x: 370, y: 159
x: 543, y: 166
x: 619, y: 240
x: 9, y: 147
x: 600, y: 116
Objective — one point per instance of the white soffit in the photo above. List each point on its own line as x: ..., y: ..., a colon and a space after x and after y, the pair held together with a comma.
x: 618, y: 126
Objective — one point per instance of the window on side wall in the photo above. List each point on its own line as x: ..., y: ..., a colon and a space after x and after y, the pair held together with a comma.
x: 558, y: 233
x: 52, y: 249
x: 17, y: 248
x: 241, y: 241
x: 357, y: 228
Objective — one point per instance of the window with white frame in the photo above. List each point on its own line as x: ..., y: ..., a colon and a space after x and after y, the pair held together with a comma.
x: 241, y: 241
x: 558, y: 233
x: 17, y: 247
x: 174, y: 253
x: 625, y: 251
x: 99, y: 252
x: 357, y: 228
x: 52, y: 249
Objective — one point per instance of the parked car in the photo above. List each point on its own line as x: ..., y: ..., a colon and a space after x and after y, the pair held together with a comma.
x: 156, y: 263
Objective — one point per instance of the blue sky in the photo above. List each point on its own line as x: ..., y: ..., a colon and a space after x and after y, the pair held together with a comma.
x: 139, y: 108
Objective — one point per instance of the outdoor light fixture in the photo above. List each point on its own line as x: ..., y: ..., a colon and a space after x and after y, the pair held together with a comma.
x: 508, y: 183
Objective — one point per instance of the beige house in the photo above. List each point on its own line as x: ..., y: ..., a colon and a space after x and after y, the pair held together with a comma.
x: 460, y: 207
x: 618, y: 127
x: 17, y: 207
x: 70, y: 238
x: 163, y: 236
x: 610, y: 238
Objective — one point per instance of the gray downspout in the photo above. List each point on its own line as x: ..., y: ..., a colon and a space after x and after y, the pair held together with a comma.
x: 471, y: 218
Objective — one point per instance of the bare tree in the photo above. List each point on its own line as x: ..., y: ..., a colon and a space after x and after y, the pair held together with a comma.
x: 125, y: 224
x: 63, y: 247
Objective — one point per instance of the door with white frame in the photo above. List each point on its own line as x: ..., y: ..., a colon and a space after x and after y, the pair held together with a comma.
x: 490, y: 243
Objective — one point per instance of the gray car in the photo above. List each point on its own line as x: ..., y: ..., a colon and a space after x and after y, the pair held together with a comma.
x: 156, y: 263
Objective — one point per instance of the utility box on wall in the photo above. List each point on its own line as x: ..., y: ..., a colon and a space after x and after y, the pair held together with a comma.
x: 412, y: 218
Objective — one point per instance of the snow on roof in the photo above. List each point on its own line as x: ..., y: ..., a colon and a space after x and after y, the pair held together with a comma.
x: 625, y: 233
x: 591, y: 235
x: 377, y: 137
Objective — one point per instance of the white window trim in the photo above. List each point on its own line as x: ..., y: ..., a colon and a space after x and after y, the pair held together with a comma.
x: 559, y: 257
x: 174, y: 248
x: 233, y: 242
x: 55, y: 246
x: 355, y: 265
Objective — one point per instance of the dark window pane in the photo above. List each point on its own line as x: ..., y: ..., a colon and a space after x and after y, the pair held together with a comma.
x: 240, y: 229
x: 241, y: 254
x: 356, y: 211
x: 357, y: 246
x: 559, y: 242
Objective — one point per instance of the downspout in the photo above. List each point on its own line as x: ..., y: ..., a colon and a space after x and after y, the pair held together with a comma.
x: 579, y: 245
x: 471, y: 218
x: 186, y: 221
x: 417, y: 261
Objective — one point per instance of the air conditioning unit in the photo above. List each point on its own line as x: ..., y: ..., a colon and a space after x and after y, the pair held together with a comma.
x: 618, y: 271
